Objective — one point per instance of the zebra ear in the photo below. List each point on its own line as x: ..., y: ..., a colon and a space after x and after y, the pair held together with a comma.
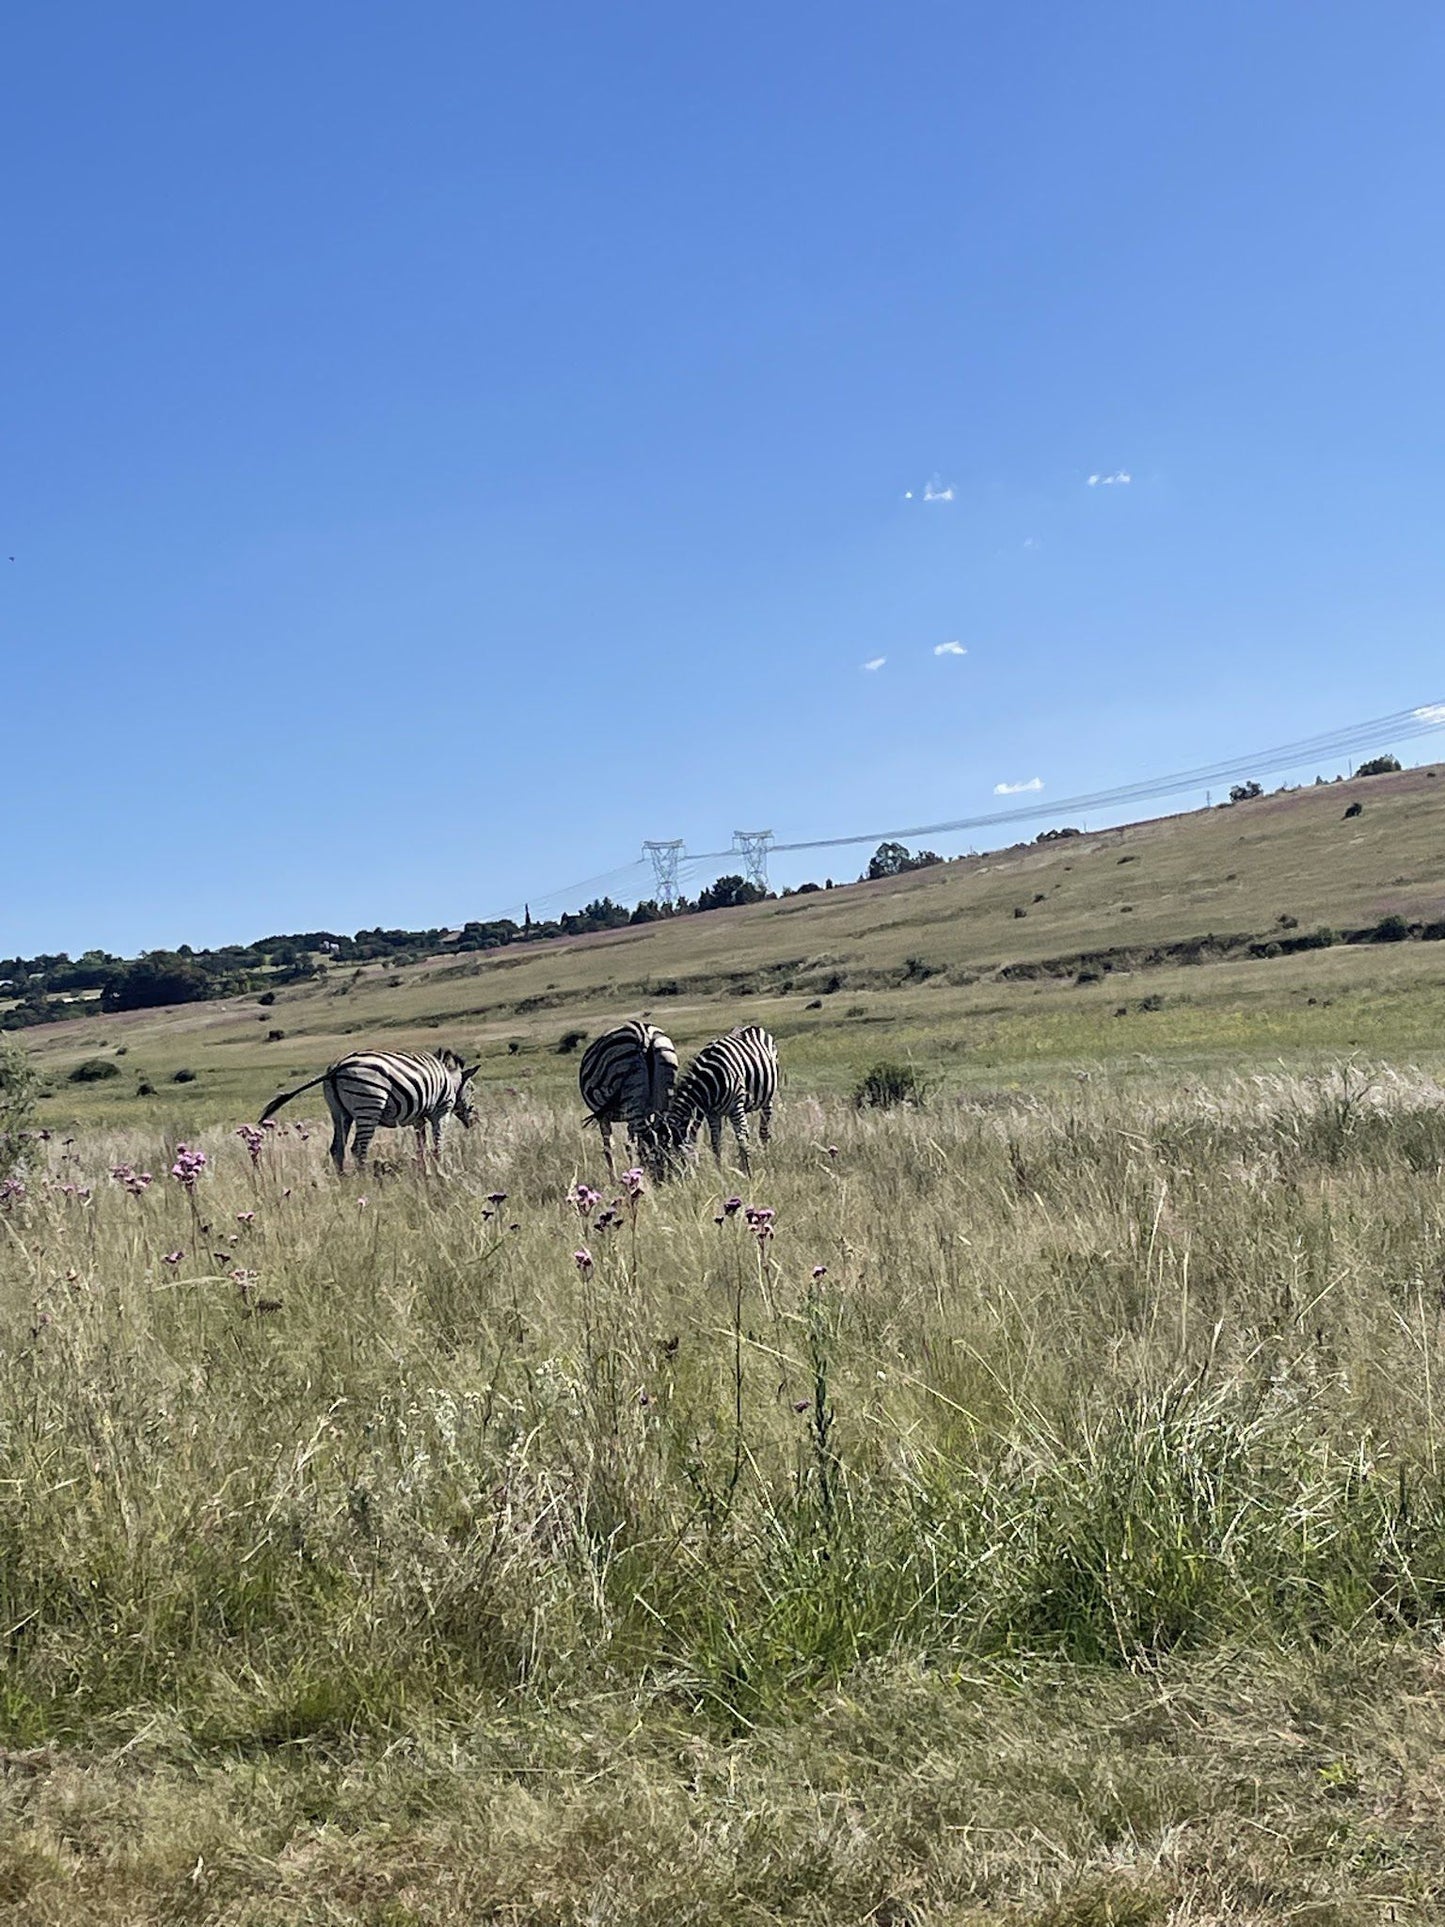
x: 470, y: 1073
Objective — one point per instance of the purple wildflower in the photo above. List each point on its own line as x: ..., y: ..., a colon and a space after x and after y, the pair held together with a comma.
x: 584, y: 1198
x: 495, y: 1198
x: 731, y: 1206
x: 12, y: 1191
x: 254, y: 1139
x: 245, y: 1217
x: 173, y: 1257
x: 820, y: 1272
x: 634, y: 1184
x: 188, y: 1166
x: 582, y: 1258
x: 131, y: 1180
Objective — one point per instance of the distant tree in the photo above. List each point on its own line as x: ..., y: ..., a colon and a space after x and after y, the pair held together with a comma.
x: 1246, y: 792
x: 1379, y: 766
x: 888, y: 860
x: 728, y: 892
x: 648, y: 911
x: 160, y: 977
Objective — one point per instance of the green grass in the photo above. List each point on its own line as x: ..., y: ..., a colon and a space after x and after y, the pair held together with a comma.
x: 1071, y: 1550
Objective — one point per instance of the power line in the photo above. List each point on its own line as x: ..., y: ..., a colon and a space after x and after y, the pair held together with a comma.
x: 1402, y: 726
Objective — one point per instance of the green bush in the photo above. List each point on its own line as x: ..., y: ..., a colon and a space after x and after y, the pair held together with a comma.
x: 569, y: 1041
x: 94, y: 1070
x: 1379, y: 766
x: 1390, y: 929
x: 888, y: 1085
x: 184, y: 1077
x: 19, y: 1088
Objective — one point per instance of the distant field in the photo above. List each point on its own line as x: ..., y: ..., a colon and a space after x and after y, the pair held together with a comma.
x: 925, y: 966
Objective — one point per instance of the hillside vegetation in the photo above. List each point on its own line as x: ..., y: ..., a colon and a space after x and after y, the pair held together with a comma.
x: 1155, y: 941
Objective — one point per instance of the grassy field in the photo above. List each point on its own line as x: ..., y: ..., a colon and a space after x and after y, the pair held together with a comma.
x: 1069, y: 1548
x: 1037, y: 1519
x: 930, y: 965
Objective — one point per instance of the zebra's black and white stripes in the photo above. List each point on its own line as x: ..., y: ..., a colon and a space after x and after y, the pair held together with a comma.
x: 372, y: 1089
x: 728, y: 1078
x: 626, y: 1076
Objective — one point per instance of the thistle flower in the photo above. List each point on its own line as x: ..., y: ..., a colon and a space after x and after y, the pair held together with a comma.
x: 634, y: 1184
x: 584, y: 1198
x: 832, y: 1150
x: 12, y: 1191
x: 731, y: 1206
x: 133, y: 1181
x: 494, y: 1198
x: 820, y: 1272
x: 245, y: 1217
x: 582, y: 1258
x: 173, y: 1257
x: 188, y: 1167
x: 253, y: 1136
x: 760, y: 1221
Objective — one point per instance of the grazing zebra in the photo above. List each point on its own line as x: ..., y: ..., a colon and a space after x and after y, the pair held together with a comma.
x: 728, y: 1078
x: 392, y: 1088
x: 627, y: 1075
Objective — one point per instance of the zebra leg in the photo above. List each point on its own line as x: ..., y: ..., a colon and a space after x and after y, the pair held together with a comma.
x: 340, y: 1128
x: 421, y: 1147
x: 361, y: 1143
x: 765, y: 1123
x: 740, y: 1131
x: 605, y: 1127
x: 714, y: 1131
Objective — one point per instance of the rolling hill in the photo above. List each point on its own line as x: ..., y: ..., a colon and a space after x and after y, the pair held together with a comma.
x: 1176, y: 939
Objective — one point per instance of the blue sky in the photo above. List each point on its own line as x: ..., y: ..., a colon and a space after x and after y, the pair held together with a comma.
x: 444, y: 446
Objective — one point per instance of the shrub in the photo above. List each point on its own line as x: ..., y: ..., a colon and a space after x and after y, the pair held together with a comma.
x: 888, y: 1085
x: 274, y: 1036
x: 184, y: 1077
x: 267, y: 997
x: 94, y: 1070
x: 19, y: 1088
x: 143, y: 1089
x: 1390, y: 929
x: 1379, y: 766
x: 1088, y: 975
x: 1355, y: 809
x: 1246, y: 792
x: 569, y: 1041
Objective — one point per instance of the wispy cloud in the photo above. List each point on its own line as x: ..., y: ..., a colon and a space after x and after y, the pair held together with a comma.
x: 949, y: 649
x: 1032, y: 542
x: 934, y: 491
x: 1431, y: 713
x: 1110, y: 481
x: 1018, y: 789
x: 875, y: 662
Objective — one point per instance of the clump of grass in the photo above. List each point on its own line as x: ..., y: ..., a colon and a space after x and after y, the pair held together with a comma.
x: 888, y: 1085
x: 94, y: 1070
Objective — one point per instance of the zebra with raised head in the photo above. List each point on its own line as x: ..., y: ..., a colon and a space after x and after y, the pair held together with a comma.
x: 626, y: 1076
x: 728, y: 1078
x: 370, y: 1090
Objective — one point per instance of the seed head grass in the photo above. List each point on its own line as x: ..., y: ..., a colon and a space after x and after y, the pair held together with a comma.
x: 1027, y: 1507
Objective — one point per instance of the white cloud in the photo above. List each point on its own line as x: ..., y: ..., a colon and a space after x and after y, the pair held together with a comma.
x: 936, y: 492
x: 1032, y: 542
x: 949, y: 649
x: 1018, y: 789
x: 875, y: 662
x: 1109, y: 481
x: 1431, y: 713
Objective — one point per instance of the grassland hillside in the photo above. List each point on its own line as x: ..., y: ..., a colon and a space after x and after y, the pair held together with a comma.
x: 1169, y: 939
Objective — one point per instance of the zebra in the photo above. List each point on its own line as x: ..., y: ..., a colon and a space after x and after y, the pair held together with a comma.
x: 392, y: 1088
x: 728, y: 1078
x: 627, y: 1075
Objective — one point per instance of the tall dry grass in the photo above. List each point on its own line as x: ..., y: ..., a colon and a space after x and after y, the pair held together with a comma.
x: 1007, y: 1391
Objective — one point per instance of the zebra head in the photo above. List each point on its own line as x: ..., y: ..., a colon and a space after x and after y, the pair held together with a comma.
x: 464, y: 1109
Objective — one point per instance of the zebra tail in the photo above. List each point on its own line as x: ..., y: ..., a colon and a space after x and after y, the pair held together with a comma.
x: 286, y: 1096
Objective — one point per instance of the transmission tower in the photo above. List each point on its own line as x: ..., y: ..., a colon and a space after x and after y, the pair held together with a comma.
x: 752, y: 847
x: 665, y: 858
